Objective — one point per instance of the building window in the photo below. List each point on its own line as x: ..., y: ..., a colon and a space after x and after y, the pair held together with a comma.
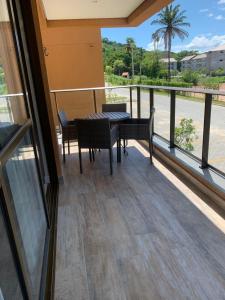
x: 221, y: 59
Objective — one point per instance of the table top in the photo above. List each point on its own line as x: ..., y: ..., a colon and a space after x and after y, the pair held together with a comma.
x: 112, y: 116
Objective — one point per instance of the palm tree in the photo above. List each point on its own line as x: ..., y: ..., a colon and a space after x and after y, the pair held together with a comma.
x: 130, y: 48
x: 171, y: 19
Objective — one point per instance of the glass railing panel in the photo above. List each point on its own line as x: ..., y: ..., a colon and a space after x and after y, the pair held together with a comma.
x: 145, y: 104
x: 121, y: 95
x: 189, y: 122
x: 217, y: 134
x: 162, y: 113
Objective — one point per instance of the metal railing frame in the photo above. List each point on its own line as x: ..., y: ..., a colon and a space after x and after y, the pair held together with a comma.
x: 203, y: 161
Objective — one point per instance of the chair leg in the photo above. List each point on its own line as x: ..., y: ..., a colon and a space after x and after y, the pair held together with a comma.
x: 68, y: 146
x: 111, y: 160
x: 90, y: 155
x: 93, y: 154
x: 118, y: 151
x: 150, y: 150
x: 80, y: 161
x: 124, y: 146
x: 64, y: 155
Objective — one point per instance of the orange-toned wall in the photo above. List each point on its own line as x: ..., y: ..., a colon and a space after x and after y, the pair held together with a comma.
x: 74, y: 60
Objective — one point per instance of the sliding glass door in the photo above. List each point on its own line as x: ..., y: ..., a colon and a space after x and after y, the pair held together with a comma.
x: 24, y: 216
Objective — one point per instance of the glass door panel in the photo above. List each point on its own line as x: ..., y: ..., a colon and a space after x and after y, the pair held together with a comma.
x: 9, y: 282
x: 21, y: 176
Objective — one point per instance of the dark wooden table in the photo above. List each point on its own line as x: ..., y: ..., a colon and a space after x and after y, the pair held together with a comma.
x: 112, y: 116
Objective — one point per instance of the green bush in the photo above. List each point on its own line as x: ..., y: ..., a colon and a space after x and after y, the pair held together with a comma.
x: 190, y: 77
x: 185, y: 134
x: 118, y: 80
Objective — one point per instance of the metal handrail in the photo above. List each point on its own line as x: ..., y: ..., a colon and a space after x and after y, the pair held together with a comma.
x: 11, y: 95
x: 155, y: 87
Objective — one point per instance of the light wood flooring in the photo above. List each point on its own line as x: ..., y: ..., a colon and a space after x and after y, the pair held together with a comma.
x: 140, y: 234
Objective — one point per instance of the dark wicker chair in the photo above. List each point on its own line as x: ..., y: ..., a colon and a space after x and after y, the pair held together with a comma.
x: 121, y: 107
x: 97, y: 134
x: 138, y: 129
x: 69, y: 131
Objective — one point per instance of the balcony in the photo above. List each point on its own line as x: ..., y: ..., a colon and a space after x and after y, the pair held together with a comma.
x: 141, y: 234
x: 149, y: 231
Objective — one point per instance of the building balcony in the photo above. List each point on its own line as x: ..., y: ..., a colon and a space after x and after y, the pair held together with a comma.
x: 149, y: 231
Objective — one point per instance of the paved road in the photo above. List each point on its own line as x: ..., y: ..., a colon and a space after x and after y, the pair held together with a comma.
x: 186, y: 109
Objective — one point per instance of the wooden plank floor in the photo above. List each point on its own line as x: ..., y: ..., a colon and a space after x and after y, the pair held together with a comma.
x: 141, y: 234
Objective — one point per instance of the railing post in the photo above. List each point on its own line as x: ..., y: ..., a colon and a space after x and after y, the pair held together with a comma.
x: 138, y: 101
x: 131, y: 102
x: 172, y: 117
x: 56, y: 104
x: 151, y: 104
x: 94, y: 98
x: 206, y: 130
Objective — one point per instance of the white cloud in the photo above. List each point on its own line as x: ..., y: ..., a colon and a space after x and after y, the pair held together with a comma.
x: 210, y: 15
x: 204, y: 10
x: 202, y: 43
x: 221, y: 2
x: 219, y: 17
x: 161, y: 46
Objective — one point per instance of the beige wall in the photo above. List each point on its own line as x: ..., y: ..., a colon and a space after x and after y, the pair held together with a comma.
x: 74, y: 60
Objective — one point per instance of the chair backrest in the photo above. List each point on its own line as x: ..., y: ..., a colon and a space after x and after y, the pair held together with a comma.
x: 62, y: 118
x: 94, y: 133
x: 151, y: 118
x: 120, y: 107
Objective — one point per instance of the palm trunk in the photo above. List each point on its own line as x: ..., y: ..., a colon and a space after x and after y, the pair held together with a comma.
x: 168, y: 53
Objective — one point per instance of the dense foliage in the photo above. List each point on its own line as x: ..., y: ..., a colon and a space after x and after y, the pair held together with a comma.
x: 3, y: 89
x: 117, y: 59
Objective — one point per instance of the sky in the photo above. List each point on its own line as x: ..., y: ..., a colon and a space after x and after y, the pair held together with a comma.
x: 207, y: 30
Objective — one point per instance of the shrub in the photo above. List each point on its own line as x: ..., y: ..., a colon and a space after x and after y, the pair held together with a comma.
x: 185, y: 134
x: 190, y: 77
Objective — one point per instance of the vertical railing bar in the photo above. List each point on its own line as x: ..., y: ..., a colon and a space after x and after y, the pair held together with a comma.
x: 172, y: 117
x: 94, y: 98
x: 151, y: 104
x: 206, y: 130
x: 138, y: 102
x: 131, y: 102
x: 56, y: 105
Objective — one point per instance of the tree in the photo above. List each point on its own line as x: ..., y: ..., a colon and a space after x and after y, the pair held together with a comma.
x: 171, y: 19
x: 118, y: 67
x: 108, y: 70
x: 185, y: 134
x: 130, y: 49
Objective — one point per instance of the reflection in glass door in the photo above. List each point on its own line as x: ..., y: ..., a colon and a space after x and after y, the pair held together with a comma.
x: 9, y: 282
x: 21, y: 178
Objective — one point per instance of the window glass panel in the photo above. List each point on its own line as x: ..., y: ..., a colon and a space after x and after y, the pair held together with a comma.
x: 12, y: 109
x: 27, y: 204
x: 9, y: 283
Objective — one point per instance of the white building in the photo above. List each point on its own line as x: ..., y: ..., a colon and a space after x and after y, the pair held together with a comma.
x: 173, y: 63
x: 199, y: 62
x: 186, y: 62
x: 211, y: 60
x: 216, y: 58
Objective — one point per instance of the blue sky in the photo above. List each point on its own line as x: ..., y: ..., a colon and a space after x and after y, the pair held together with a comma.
x: 207, y: 31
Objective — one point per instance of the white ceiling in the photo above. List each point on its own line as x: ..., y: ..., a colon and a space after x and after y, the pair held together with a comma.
x: 3, y: 11
x: 89, y: 9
